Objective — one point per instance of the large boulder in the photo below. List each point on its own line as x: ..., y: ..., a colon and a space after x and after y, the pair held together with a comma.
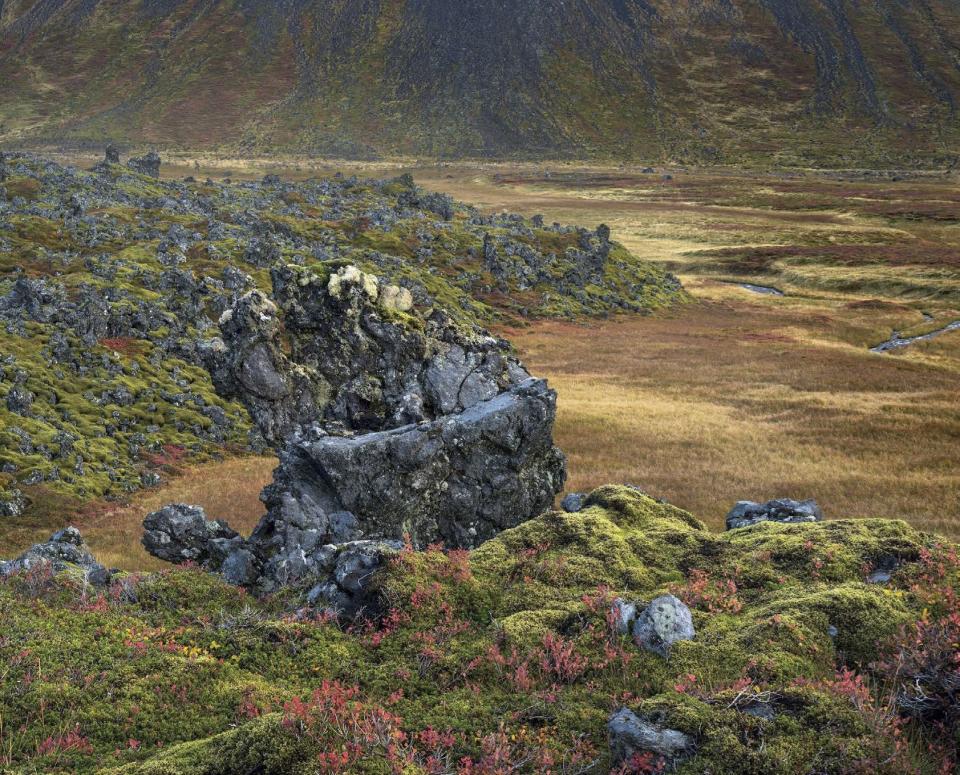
x: 458, y: 480
x: 748, y: 513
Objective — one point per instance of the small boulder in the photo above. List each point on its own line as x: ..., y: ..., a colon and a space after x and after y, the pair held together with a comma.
x: 572, y: 503
x: 20, y: 400
x: 65, y: 550
x: 663, y: 623
x: 883, y: 571
x: 180, y: 533
x: 146, y: 165
x: 748, y: 513
x: 111, y: 155
x: 14, y: 504
x: 630, y: 735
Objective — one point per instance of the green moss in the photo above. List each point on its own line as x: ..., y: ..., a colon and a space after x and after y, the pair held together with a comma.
x: 512, y: 637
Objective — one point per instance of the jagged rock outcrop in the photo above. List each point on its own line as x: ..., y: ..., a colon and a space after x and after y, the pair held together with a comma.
x: 66, y: 549
x: 358, y: 360
x: 747, y: 513
x: 389, y: 425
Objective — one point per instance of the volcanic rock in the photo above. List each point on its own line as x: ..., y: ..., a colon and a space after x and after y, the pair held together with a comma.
x: 747, y: 513
x: 146, y: 165
x: 65, y: 550
x: 180, y: 533
x: 630, y: 735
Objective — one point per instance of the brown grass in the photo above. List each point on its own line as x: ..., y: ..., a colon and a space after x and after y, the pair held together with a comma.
x: 228, y: 490
x: 723, y: 401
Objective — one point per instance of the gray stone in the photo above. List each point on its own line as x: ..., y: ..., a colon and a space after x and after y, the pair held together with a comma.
x: 64, y: 551
x: 884, y: 569
x: 180, y: 533
x: 748, y: 513
x: 572, y: 503
x: 20, y: 400
x: 240, y: 568
x: 146, y: 165
x: 629, y: 735
x: 14, y: 504
x: 761, y: 710
x: 624, y: 615
x: 665, y: 622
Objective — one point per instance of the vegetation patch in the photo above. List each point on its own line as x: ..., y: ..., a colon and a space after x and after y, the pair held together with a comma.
x: 505, y: 659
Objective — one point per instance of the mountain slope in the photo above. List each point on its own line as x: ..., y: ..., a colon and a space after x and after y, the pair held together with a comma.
x: 718, y: 80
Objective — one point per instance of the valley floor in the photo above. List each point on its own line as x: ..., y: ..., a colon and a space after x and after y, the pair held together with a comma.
x: 736, y: 394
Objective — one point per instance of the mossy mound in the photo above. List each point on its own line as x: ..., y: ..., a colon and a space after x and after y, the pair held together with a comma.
x: 501, y: 657
x: 110, y: 279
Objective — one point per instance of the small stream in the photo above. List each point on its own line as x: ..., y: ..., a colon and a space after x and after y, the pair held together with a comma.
x: 766, y: 290
x: 897, y: 341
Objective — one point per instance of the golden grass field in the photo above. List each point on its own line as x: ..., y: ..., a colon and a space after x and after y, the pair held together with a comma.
x: 733, y: 395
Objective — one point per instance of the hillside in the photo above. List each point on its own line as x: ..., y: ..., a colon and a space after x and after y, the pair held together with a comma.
x: 814, y: 82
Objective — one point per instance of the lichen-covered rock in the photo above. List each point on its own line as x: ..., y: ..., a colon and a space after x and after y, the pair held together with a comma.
x: 388, y: 424
x: 357, y: 359
x: 747, y: 513
x: 181, y: 533
x: 65, y: 550
x: 630, y: 735
x: 249, y: 362
x: 12, y: 503
x: 665, y: 622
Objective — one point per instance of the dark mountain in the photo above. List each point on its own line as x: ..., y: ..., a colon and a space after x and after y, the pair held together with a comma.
x: 790, y: 81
